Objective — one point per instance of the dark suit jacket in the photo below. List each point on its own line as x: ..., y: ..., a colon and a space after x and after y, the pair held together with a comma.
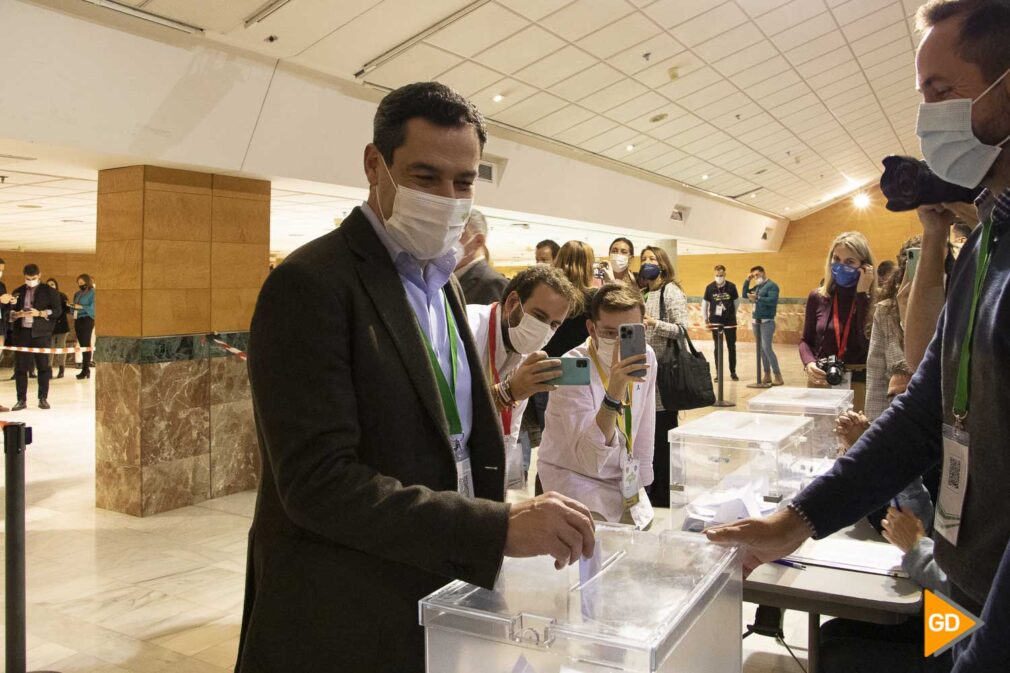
x: 357, y: 516
x: 482, y: 285
x: 45, y: 298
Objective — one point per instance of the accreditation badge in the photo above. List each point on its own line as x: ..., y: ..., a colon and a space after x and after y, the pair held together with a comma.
x: 953, y: 483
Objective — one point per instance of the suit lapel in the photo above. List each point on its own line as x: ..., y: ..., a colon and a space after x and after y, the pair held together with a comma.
x: 384, y: 287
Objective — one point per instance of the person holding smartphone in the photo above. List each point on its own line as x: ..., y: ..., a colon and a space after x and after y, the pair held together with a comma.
x: 510, y: 335
x: 838, y: 311
x: 598, y: 444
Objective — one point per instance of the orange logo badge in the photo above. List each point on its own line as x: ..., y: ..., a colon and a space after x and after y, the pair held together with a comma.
x: 946, y: 623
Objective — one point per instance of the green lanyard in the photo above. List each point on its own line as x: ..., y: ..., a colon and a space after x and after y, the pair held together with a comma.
x: 964, y: 363
x: 445, y: 391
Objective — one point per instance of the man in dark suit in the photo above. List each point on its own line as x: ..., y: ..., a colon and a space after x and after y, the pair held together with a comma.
x: 383, y: 464
x: 6, y: 300
x: 36, y: 308
x: 481, y: 284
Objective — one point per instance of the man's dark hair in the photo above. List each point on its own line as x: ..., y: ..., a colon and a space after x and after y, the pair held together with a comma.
x: 2, y: 260
x: 757, y: 268
x: 527, y: 280
x: 31, y: 269
x: 720, y: 267
x: 616, y: 297
x: 962, y: 229
x: 985, y: 25
x: 885, y: 269
x: 622, y: 239
x: 548, y: 243
x: 431, y: 101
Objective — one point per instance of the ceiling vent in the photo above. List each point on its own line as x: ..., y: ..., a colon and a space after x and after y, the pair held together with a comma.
x: 487, y: 172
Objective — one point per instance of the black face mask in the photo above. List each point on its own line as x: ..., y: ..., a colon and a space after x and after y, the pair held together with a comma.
x: 81, y: 286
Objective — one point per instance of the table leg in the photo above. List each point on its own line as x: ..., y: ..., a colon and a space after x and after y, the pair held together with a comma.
x: 813, y: 642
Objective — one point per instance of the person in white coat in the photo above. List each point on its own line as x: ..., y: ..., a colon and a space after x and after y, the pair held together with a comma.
x: 598, y: 443
x: 509, y: 335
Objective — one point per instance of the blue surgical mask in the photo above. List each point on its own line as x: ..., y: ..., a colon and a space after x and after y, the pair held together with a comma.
x: 844, y: 275
x: 650, y: 271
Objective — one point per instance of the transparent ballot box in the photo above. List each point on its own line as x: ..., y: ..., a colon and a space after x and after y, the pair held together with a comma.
x: 645, y: 602
x: 822, y: 405
x: 730, y: 465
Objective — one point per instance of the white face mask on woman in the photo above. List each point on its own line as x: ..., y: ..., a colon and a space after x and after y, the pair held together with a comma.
x: 530, y: 335
x: 619, y: 262
x: 425, y: 225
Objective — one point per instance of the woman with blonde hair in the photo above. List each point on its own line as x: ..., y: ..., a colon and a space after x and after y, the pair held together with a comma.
x: 838, y: 312
x: 666, y: 318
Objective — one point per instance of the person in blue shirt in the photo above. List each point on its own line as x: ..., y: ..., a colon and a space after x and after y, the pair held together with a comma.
x: 84, y: 320
x: 764, y: 293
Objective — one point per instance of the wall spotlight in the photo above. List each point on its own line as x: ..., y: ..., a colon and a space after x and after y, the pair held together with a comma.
x: 861, y: 200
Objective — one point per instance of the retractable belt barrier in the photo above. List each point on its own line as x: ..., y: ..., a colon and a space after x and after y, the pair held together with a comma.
x: 57, y: 351
x: 216, y: 340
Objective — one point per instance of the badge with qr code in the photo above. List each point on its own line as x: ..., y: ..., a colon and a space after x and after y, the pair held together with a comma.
x: 953, y: 483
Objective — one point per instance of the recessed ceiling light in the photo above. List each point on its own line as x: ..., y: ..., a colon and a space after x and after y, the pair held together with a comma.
x: 753, y: 195
x: 787, y: 209
x: 630, y: 147
x: 498, y: 98
x: 705, y: 177
x: 861, y: 200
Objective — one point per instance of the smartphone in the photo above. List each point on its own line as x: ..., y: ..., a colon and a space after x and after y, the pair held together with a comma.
x: 912, y: 264
x: 632, y: 343
x: 574, y: 372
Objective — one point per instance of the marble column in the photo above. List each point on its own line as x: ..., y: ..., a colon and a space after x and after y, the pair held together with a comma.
x: 180, y: 254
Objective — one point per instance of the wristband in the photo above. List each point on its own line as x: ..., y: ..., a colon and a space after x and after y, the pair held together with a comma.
x: 612, y: 404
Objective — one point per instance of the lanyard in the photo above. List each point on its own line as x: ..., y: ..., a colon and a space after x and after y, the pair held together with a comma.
x: 629, y: 397
x: 964, y: 362
x: 842, y: 340
x: 447, y: 393
x: 492, y: 330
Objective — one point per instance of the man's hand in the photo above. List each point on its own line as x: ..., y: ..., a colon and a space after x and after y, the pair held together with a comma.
x: 649, y: 321
x: 531, y: 375
x: 850, y: 426
x: 902, y: 529
x: 621, y: 373
x: 551, y: 524
x: 936, y: 218
x: 816, y: 375
x: 897, y: 384
x: 866, y: 278
x: 763, y: 540
x: 6, y: 299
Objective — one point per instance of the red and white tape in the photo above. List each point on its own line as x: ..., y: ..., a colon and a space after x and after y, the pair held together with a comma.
x: 224, y: 346
x: 57, y: 351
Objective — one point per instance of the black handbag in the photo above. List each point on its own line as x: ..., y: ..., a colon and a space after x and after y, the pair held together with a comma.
x: 684, y: 377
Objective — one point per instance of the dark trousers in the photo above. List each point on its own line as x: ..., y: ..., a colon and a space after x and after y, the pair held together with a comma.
x: 23, y: 362
x: 659, y: 492
x: 83, y: 327
x: 731, y: 348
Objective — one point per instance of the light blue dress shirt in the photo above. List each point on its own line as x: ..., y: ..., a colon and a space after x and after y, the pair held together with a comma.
x: 424, y: 288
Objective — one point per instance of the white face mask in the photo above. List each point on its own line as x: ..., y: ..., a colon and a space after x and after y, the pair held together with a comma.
x: 530, y: 335
x: 425, y: 225
x: 619, y: 262
x: 605, y: 351
x: 949, y: 144
x: 719, y: 280
x: 32, y: 283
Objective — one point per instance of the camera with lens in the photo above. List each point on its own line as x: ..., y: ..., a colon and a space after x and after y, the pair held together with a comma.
x: 833, y: 368
x: 599, y: 271
x: 907, y: 183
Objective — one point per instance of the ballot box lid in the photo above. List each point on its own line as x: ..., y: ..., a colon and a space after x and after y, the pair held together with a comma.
x: 743, y: 430
x: 626, y: 608
x: 810, y: 401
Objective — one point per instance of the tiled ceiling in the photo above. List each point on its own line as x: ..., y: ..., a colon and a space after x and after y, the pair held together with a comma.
x: 782, y: 104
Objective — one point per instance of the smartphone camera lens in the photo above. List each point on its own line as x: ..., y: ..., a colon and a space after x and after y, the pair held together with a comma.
x: 581, y: 364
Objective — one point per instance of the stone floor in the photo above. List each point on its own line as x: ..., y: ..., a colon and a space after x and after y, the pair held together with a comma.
x: 109, y: 593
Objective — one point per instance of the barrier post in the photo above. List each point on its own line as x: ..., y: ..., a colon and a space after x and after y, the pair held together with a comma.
x: 17, y: 436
